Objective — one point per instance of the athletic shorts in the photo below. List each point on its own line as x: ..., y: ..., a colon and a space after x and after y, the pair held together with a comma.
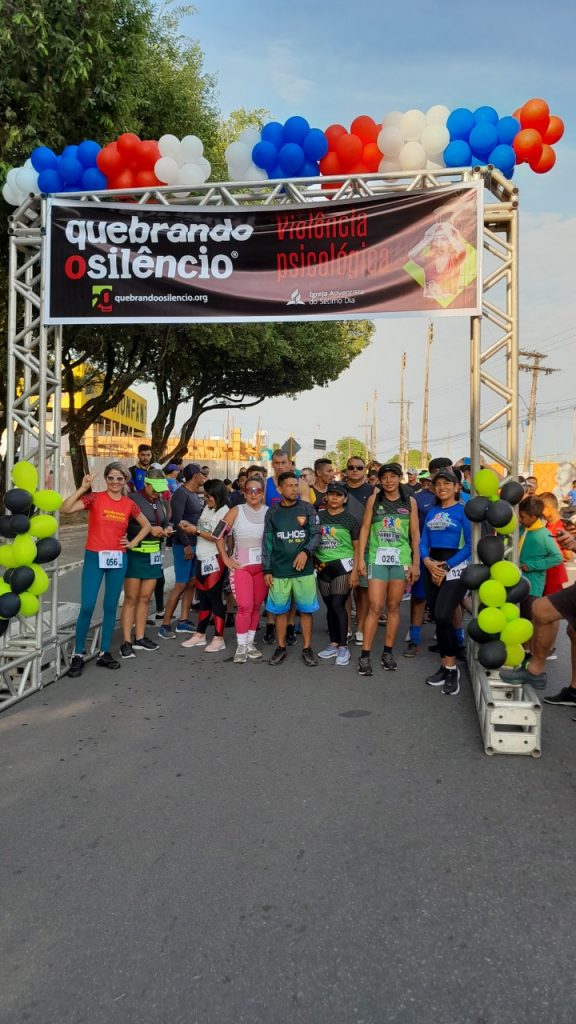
x: 564, y: 601
x: 301, y: 588
x: 417, y: 590
x: 140, y: 567
x: 184, y: 570
x: 386, y: 573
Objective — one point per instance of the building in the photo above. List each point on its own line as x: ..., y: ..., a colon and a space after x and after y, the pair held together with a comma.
x: 118, y: 431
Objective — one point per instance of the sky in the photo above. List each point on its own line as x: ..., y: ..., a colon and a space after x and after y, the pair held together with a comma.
x: 333, y: 62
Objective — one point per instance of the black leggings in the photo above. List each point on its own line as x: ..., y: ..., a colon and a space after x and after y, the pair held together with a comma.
x: 443, y: 602
x: 209, y: 592
x: 335, y: 593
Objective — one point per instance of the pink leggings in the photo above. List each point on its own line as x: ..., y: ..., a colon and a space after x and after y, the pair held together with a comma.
x: 250, y: 591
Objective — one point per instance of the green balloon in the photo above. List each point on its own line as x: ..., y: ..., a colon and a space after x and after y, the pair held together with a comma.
x: 29, y: 604
x: 25, y: 475
x: 509, y: 528
x: 24, y: 549
x: 505, y: 573
x: 43, y: 526
x: 511, y: 611
x: 486, y: 483
x: 5, y: 588
x: 514, y: 655
x: 47, y: 501
x: 517, y: 632
x: 42, y: 581
x: 492, y: 594
x: 491, y: 620
x: 7, y: 556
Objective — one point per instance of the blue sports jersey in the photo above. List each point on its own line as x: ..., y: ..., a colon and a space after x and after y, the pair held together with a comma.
x: 447, y: 528
x: 272, y: 495
x: 424, y: 501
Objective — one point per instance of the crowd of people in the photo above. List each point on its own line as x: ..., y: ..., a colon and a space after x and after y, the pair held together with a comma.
x: 360, y: 538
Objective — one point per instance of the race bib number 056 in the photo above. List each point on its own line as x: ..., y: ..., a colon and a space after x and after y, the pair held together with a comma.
x: 387, y: 556
x: 110, y: 559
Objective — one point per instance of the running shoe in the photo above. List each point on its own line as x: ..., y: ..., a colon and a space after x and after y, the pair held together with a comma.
x: 359, y: 638
x: 348, y: 637
x: 76, y: 667
x: 241, y: 655
x: 521, y: 676
x: 159, y: 615
x: 439, y: 677
x: 452, y: 682
x: 185, y: 627
x: 253, y: 653
x: 196, y: 640
x: 343, y: 657
x: 166, y: 633
x: 269, y: 635
x: 364, y: 665
x: 388, y: 661
x: 216, y: 645
x: 412, y: 650
x: 126, y: 650
x: 106, y: 660
x: 291, y: 637
x: 278, y: 656
x: 328, y: 652
x: 308, y: 657
x: 566, y: 698
x: 383, y: 619
x: 145, y: 644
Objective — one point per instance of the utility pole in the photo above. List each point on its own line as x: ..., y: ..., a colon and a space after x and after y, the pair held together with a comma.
x: 366, y: 428
x: 534, y: 368
x: 424, y: 444
x: 407, y: 403
x: 401, y: 403
x: 373, y: 444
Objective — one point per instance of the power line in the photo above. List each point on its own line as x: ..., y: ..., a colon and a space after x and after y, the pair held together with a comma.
x: 534, y: 368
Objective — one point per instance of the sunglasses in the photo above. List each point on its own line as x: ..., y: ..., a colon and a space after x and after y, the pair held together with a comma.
x: 254, y: 490
x: 115, y: 479
x: 354, y: 466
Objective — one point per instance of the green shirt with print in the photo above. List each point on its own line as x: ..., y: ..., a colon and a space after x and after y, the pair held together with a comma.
x: 337, y: 534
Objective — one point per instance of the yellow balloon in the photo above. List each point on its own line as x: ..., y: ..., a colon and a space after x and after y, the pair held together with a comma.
x: 24, y: 549
x: 509, y: 528
x: 43, y: 526
x: 47, y: 501
x: 25, y: 475
x: 486, y: 482
x: 29, y: 604
x: 41, y: 581
x: 7, y: 556
x: 514, y: 655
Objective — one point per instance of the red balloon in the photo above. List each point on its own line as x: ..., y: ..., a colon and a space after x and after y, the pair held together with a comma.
x: 109, y: 160
x: 372, y: 156
x: 527, y: 145
x: 545, y: 162
x: 128, y: 145
x: 359, y: 168
x: 125, y: 179
x: 555, y: 130
x: 365, y: 128
x: 331, y: 164
x: 146, y: 179
x: 350, y: 150
x: 517, y: 113
x: 147, y: 155
x: 535, y: 114
x: 333, y: 133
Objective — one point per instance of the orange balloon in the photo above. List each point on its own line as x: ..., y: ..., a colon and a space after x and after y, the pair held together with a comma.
x: 350, y: 150
x: 535, y: 114
x: 372, y: 156
x: 365, y: 128
x: 333, y: 133
x: 331, y: 164
x: 528, y: 146
x: 545, y: 162
x: 517, y: 113
x: 359, y: 168
x: 555, y: 130
x: 146, y: 179
x: 125, y: 179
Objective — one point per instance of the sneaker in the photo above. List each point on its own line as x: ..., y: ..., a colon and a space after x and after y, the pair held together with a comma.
x: 291, y: 637
x: 241, y: 655
x: 308, y: 657
x: 329, y: 652
x: 359, y: 638
x: 216, y: 644
x: 452, y: 682
x: 383, y: 619
x: 388, y: 661
x: 521, y: 677
x: 348, y: 637
x: 196, y: 640
x: 439, y: 677
x: 229, y: 622
x: 364, y: 665
x: 343, y: 657
x: 106, y: 660
x: 185, y: 627
x: 145, y: 644
x: 76, y: 667
x: 166, y: 633
x: 552, y: 656
x: 278, y: 656
x: 159, y: 616
x: 195, y: 605
x: 253, y: 653
x: 126, y: 650
x: 269, y: 635
x: 566, y: 697
x: 411, y: 651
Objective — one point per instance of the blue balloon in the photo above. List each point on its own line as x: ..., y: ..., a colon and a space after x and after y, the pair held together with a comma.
x: 93, y: 180
x: 310, y: 170
x: 72, y: 188
x: 315, y: 145
x: 49, y: 181
x: 507, y: 128
x: 87, y: 153
x: 276, y: 172
x: 503, y: 157
x: 265, y: 155
x: 273, y: 132
x: 44, y: 159
x: 457, y: 154
x: 71, y: 151
x: 483, y: 138
x: 486, y: 114
x: 70, y: 170
x: 296, y: 129
x: 460, y: 123
x: 291, y: 159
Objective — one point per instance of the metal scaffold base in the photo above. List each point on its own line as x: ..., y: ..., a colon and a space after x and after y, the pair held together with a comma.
x: 510, y: 717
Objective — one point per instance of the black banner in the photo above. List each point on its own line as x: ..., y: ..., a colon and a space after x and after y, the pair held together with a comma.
x: 396, y: 253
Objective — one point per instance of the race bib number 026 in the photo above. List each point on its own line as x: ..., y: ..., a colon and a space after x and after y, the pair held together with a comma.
x: 387, y: 556
x: 110, y: 559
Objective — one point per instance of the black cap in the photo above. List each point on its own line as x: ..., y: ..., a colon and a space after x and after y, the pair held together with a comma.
x: 335, y: 487
x: 439, y: 463
x: 192, y: 469
x: 446, y: 474
x: 390, y: 467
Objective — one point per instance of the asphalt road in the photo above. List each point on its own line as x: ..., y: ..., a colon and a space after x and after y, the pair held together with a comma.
x: 188, y: 841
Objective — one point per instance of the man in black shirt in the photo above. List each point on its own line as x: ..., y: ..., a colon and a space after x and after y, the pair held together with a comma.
x: 359, y: 490
x: 184, y: 504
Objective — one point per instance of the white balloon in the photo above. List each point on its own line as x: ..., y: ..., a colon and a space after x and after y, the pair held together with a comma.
x: 437, y: 114
x: 167, y: 170
x: 412, y: 125
x: 11, y: 176
x: 28, y: 163
x: 190, y: 175
x: 388, y: 165
x: 433, y: 165
x: 10, y: 194
x: 256, y: 174
x: 394, y: 118
x: 27, y: 180
x: 191, y: 147
x: 205, y: 166
x: 412, y: 156
x: 390, y: 140
x: 169, y: 145
x: 435, y: 138
x: 238, y: 155
x: 250, y: 136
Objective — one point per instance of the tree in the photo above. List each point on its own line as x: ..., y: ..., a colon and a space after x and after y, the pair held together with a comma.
x: 230, y: 128
x: 414, y: 459
x: 345, y: 448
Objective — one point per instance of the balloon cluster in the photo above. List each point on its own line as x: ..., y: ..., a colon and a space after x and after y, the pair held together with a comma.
x: 128, y: 162
x: 353, y: 151
x: 539, y: 131
x: 498, y: 629
x: 73, y: 170
x: 30, y: 531
x: 413, y: 140
x: 182, y: 161
x: 481, y: 137
x: 20, y: 182
x: 289, y: 150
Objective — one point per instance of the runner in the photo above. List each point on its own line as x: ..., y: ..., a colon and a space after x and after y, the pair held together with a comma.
x: 425, y: 499
x: 239, y: 497
x: 291, y: 537
x: 324, y: 472
x: 272, y: 496
x: 144, y: 567
x: 141, y: 467
x: 336, y: 560
x: 184, y: 504
x: 445, y: 550
x: 413, y: 485
x: 209, y: 568
x: 172, y: 473
x: 359, y: 490
x: 390, y: 531
x: 245, y: 524
x: 105, y: 557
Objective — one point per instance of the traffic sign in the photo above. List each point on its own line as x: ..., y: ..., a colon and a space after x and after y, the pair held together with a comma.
x: 291, y: 447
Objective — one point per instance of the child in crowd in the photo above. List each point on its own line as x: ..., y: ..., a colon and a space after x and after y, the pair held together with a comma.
x: 556, y: 577
x: 537, y: 550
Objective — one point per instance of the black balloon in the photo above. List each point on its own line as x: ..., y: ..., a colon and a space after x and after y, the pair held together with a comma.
x: 475, y: 510
x: 477, y: 634
x: 5, y: 526
x: 492, y: 654
x: 3, y: 626
x: 512, y: 492
x: 500, y: 513
x: 21, y: 578
x: 9, y: 605
x: 474, y: 575
x: 518, y: 592
x: 19, y: 524
x: 490, y: 550
x: 18, y: 500
x: 47, y: 550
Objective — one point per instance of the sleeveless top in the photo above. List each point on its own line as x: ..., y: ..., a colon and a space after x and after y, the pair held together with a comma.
x: 247, y: 532
x: 389, y: 539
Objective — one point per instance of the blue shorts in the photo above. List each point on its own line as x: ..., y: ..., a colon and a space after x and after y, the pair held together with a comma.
x: 417, y: 590
x: 184, y: 569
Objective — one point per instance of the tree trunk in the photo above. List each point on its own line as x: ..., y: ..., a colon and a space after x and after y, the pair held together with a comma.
x: 77, y: 456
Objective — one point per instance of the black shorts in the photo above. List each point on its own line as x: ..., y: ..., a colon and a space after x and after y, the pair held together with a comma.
x: 564, y: 601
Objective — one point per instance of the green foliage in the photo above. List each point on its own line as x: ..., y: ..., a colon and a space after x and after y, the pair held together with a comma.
x: 230, y: 129
x: 415, y: 460
x: 347, y: 447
